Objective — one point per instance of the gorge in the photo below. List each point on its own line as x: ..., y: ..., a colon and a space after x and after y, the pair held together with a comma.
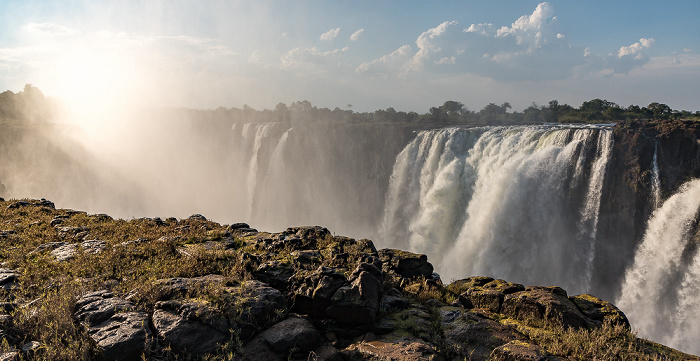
x: 609, y: 209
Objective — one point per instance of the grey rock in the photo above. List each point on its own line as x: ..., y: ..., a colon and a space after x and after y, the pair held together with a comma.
x: 120, y: 331
x: 358, y: 302
x: 406, y: 264
x: 188, y: 326
x: 292, y: 333
x: 8, y: 278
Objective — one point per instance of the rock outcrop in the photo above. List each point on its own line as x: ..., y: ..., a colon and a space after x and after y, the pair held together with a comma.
x: 236, y: 293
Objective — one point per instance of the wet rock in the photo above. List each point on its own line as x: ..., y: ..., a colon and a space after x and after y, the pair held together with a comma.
x: 405, y: 264
x: 120, y: 331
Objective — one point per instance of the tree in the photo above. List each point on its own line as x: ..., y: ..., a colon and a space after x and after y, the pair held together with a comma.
x: 659, y: 110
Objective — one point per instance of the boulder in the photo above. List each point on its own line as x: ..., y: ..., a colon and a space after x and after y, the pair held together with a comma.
x: 405, y: 264
x: 599, y: 311
x: 477, y: 297
x: 358, y: 302
x: 68, y: 251
x: 190, y: 326
x: 313, y: 295
x: 260, y: 305
x: 120, y: 331
x: 293, y: 333
x: 274, y: 273
x: 472, y: 337
x: 539, y: 305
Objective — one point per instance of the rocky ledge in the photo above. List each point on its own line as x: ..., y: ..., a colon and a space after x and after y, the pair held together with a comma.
x: 80, y: 286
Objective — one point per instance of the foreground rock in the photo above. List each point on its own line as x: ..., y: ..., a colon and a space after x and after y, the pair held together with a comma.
x: 120, y: 331
x: 192, y: 289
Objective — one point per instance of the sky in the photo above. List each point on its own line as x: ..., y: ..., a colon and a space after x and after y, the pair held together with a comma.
x: 361, y: 55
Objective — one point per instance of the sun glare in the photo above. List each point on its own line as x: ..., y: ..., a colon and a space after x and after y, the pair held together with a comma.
x: 94, y: 85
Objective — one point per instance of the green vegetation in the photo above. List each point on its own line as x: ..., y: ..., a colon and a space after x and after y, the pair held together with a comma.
x: 31, y: 105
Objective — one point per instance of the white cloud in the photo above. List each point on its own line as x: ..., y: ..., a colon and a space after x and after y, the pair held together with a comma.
x: 305, y: 57
x: 447, y: 60
x: 531, y: 48
x: 482, y: 29
x: 50, y: 29
x: 388, y: 64
x: 356, y: 35
x: 534, y: 29
x: 635, y: 48
x: 428, y: 42
x: 330, y: 34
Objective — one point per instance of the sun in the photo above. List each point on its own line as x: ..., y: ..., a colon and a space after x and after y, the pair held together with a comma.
x: 94, y: 84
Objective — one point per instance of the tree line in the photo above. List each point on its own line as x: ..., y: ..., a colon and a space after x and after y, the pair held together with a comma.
x: 31, y: 104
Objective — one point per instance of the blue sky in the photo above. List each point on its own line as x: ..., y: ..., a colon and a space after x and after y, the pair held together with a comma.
x: 409, y: 55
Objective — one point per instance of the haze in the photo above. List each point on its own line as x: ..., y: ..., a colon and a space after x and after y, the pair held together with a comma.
x: 371, y: 55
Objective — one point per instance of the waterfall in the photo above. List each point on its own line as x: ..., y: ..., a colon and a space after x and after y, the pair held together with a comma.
x: 660, y: 291
x: 655, y: 180
x: 519, y: 203
x: 262, y: 131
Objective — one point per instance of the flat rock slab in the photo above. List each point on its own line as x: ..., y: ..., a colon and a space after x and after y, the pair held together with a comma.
x: 120, y: 331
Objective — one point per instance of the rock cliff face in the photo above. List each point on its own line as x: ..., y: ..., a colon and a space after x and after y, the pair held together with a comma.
x: 193, y: 289
x: 633, y: 188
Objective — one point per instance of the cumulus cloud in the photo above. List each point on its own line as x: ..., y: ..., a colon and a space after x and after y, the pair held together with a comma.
x: 636, y: 48
x: 530, y: 48
x: 388, y: 64
x: 356, y: 35
x: 330, y: 34
x: 301, y: 57
x: 534, y: 29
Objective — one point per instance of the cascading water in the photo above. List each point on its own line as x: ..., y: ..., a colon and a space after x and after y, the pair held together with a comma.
x: 655, y: 179
x: 519, y: 203
x: 660, y: 291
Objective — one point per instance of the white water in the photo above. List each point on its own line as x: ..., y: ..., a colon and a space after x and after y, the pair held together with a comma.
x: 501, y: 201
x: 655, y: 179
x: 660, y: 294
